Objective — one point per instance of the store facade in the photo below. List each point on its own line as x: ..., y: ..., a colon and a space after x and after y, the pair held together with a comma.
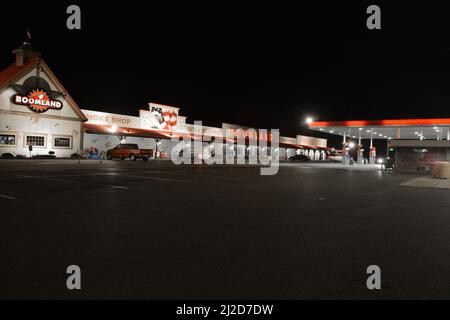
x: 411, y: 144
x: 36, y: 110
x: 103, y: 131
x: 38, y: 117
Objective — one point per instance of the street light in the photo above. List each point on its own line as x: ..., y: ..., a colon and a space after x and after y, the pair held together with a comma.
x: 309, y: 120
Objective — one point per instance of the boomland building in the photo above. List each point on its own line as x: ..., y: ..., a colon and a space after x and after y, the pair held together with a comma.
x: 39, y: 117
x: 36, y: 110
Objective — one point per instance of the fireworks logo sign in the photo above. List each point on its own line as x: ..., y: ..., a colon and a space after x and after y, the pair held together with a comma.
x: 165, y: 119
x: 159, y: 117
x: 38, y: 101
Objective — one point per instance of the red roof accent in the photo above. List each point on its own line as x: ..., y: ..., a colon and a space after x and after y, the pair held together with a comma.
x: 146, y: 133
x: 10, y: 73
x: 386, y: 123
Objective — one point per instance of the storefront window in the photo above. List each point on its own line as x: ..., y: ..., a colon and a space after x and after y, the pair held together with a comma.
x: 36, y: 141
x: 63, y: 142
x: 7, y: 139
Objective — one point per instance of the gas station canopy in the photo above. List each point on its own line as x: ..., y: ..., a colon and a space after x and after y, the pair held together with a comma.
x: 402, y: 129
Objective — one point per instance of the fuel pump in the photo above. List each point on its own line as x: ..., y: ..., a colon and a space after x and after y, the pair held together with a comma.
x: 373, y: 155
x: 344, y: 153
x: 360, y: 154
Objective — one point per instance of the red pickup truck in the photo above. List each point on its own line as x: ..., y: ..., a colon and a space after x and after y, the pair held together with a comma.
x: 129, y: 150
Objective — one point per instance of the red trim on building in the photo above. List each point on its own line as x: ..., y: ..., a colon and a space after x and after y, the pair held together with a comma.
x: 106, y: 129
x: 9, y: 74
x: 147, y: 133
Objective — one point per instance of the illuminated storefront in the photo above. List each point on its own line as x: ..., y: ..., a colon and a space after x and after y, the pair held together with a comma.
x: 411, y: 144
x: 38, y: 117
x: 36, y: 110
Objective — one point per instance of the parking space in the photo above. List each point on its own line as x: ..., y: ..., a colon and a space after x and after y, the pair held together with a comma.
x: 155, y: 230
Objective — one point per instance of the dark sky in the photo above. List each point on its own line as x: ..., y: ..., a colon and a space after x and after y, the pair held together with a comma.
x: 265, y: 67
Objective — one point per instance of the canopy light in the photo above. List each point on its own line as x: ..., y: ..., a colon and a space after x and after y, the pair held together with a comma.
x: 309, y: 120
x: 113, y: 129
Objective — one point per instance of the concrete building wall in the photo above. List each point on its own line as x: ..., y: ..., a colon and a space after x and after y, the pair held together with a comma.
x: 414, y: 158
x: 103, y: 142
x: 311, y: 141
x: 22, y: 126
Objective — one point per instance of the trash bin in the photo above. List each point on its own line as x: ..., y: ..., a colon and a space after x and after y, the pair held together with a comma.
x: 441, y: 170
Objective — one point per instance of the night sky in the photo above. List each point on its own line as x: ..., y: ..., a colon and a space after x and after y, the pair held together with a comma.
x: 264, y: 67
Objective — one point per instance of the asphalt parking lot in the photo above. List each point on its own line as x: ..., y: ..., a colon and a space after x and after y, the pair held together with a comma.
x: 155, y: 230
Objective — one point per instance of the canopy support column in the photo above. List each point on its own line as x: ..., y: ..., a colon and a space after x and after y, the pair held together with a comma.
x: 344, y: 148
x: 360, y: 155
x: 372, y: 150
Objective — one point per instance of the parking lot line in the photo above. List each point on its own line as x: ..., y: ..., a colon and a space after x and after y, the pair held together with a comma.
x: 106, y: 174
x: 4, y: 196
x: 77, y: 182
x: 153, y: 178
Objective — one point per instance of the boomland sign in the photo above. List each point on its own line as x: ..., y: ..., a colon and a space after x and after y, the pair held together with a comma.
x: 38, y: 101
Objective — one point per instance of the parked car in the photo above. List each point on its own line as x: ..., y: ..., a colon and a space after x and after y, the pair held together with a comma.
x: 299, y: 157
x: 335, y: 156
x: 129, y: 150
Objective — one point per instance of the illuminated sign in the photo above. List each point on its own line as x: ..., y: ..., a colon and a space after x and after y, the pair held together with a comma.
x: 233, y: 130
x: 103, y: 118
x: 249, y: 133
x: 38, y: 101
x: 108, y: 119
x: 159, y: 117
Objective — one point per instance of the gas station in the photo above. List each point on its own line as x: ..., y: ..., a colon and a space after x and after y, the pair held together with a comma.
x: 412, y: 144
